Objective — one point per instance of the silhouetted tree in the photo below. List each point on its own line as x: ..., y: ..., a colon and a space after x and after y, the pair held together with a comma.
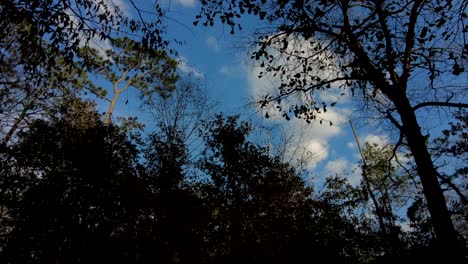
x: 32, y: 87
x: 68, y: 25
x: 261, y: 210
x: 76, y: 195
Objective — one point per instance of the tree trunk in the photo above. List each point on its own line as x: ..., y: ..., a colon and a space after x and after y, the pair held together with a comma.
x: 17, y: 122
x: 107, y: 119
x: 446, y: 236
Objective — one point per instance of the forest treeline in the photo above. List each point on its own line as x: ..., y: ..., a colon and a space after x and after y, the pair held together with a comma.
x: 76, y: 190
x: 80, y: 186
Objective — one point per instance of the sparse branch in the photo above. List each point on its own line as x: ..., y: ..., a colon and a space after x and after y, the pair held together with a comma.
x: 354, y: 45
x: 139, y: 14
x: 443, y: 104
x: 118, y: 62
x: 410, y: 39
x: 446, y: 180
x: 145, y: 73
x: 393, y: 120
x: 99, y: 95
x: 304, y: 90
x: 388, y: 41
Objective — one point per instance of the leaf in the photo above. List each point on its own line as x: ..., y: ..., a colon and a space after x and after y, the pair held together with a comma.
x: 423, y: 32
x: 457, y: 69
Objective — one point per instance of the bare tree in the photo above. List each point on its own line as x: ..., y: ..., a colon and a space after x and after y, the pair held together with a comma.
x: 179, y: 117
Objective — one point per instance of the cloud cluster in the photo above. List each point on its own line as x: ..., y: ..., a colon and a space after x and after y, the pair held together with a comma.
x: 344, y: 168
x: 101, y: 45
x: 187, y: 3
x: 213, y: 44
x: 310, y: 138
x: 186, y: 68
x: 375, y: 139
x: 113, y: 5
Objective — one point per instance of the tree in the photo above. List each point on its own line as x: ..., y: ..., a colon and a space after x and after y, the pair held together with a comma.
x: 451, y: 149
x: 179, y: 115
x: 342, y: 210
x: 69, y: 25
x: 130, y: 64
x: 29, y: 86
x: 179, y: 212
x: 27, y: 95
x: 390, y: 51
x: 39, y: 43
x: 261, y: 210
x: 71, y: 191
x: 387, y: 185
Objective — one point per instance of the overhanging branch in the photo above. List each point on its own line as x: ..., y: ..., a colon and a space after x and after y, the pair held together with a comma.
x: 393, y: 120
x: 443, y: 104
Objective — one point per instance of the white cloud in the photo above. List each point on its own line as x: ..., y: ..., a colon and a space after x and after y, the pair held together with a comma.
x: 318, y: 151
x: 313, y: 137
x: 322, y: 66
x: 96, y: 42
x: 114, y: 4
x: 351, y: 145
x: 354, y: 176
x: 185, y: 67
x: 336, y: 167
x: 308, y: 142
x: 227, y: 70
x: 187, y: 3
x: 100, y: 45
x: 375, y: 139
x: 304, y: 153
x: 232, y: 71
x: 212, y: 43
x: 344, y: 168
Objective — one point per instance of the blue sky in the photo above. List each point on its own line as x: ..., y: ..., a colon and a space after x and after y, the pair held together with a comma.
x: 221, y: 62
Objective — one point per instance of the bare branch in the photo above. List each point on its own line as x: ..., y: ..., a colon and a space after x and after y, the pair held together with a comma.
x: 393, y: 120
x: 410, y: 39
x: 292, y: 91
x: 444, y: 104
x: 446, y: 180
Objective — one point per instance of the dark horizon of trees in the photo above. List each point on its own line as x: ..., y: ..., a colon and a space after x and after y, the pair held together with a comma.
x: 75, y: 190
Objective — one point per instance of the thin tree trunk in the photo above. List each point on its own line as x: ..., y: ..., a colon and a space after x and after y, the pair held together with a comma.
x: 17, y: 123
x: 107, y: 119
x: 378, y: 210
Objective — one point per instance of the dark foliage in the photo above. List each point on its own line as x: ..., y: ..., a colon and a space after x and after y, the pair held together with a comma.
x: 76, y: 191
x: 74, y: 194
